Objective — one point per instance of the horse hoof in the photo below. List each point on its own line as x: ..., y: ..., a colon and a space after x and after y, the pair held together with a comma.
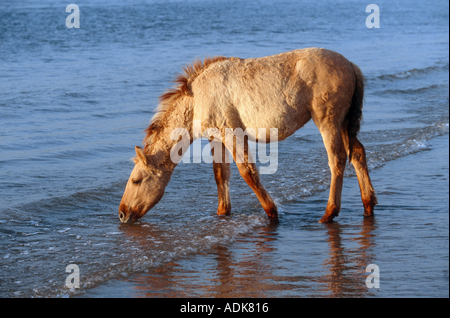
x: 369, y: 206
x: 368, y: 214
x: 368, y: 210
x: 326, y: 219
x: 274, y: 219
x: 223, y: 211
x: 331, y: 212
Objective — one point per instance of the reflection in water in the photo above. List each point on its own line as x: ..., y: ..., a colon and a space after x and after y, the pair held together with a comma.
x: 347, y: 265
x: 250, y: 266
x: 245, y: 275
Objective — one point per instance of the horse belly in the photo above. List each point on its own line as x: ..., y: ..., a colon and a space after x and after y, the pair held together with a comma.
x: 285, y: 119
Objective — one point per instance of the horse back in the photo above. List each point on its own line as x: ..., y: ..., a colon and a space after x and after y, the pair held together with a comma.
x: 280, y: 91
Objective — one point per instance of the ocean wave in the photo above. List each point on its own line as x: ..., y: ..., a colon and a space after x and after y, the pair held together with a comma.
x: 415, y: 142
x: 145, y: 246
x: 414, y: 72
x: 410, y: 91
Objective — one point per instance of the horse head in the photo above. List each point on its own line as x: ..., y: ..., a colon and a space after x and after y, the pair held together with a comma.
x: 144, y: 188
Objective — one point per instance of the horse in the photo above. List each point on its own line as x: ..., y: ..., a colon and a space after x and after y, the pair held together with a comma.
x: 282, y: 91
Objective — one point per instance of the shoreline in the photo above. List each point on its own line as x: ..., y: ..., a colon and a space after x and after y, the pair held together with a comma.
x: 272, y: 261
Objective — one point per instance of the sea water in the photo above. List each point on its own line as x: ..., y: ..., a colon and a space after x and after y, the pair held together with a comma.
x: 74, y: 103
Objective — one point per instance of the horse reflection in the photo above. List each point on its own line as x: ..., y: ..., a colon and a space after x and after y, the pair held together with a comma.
x: 250, y: 266
x: 347, y: 265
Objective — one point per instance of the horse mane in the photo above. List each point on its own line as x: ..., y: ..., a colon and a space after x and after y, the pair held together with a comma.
x: 169, y: 98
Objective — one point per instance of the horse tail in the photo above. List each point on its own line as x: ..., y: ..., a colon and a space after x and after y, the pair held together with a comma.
x: 354, y: 114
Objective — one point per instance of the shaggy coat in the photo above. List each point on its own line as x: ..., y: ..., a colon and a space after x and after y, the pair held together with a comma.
x: 282, y: 91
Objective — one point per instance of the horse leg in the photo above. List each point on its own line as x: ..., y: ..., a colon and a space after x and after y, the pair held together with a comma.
x: 222, y: 176
x: 359, y: 161
x: 249, y: 172
x: 337, y: 158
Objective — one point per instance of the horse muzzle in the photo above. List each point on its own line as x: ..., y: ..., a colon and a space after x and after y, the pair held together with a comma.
x: 124, y: 218
x: 127, y: 215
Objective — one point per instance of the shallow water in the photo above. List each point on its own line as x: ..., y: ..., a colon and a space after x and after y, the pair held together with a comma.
x: 407, y: 240
x: 74, y: 102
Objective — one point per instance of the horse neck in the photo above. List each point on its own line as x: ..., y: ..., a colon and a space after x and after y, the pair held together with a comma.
x: 179, y: 116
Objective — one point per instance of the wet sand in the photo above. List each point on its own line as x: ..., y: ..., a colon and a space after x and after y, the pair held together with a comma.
x: 407, y: 240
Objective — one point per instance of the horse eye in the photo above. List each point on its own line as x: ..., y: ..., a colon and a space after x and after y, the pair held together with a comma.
x: 137, y: 181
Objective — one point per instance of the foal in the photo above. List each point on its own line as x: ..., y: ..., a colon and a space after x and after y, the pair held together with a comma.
x: 282, y: 91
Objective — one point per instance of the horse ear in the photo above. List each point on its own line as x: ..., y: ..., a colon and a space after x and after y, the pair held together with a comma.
x: 141, y: 155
